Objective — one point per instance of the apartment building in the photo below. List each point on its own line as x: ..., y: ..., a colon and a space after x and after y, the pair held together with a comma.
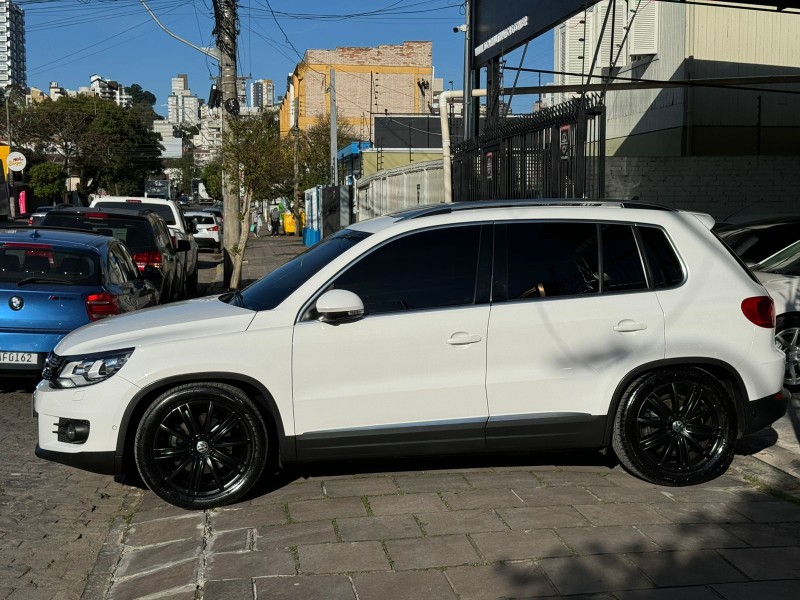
x: 13, y: 69
x: 262, y: 93
x: 183, y: 107
x: 393, y: 79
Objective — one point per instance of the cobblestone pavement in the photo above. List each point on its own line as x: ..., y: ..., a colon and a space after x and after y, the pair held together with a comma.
x: 548, y: 525
x: 53, y: 519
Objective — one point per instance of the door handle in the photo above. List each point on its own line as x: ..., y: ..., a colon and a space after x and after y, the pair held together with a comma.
x: 461, y: 338
x: 627, y: 325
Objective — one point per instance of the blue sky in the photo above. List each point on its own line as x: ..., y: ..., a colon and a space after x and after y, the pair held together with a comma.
x: 70, y: 40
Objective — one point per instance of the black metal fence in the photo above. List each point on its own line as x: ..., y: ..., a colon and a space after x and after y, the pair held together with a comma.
x: 558, y: 152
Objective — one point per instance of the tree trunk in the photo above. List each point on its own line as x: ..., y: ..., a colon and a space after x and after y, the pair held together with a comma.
x: 244, y: 231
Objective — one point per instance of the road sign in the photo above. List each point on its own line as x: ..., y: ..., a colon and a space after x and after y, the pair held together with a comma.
x: 563, y: 135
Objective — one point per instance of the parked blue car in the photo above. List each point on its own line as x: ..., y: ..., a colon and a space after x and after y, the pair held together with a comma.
x: 54, y: 281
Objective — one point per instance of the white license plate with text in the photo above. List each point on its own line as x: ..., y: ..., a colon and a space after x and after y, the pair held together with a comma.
x: 19, y: 358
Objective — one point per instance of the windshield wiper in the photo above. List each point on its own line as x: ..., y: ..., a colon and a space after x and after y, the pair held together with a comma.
x: 27, y: 280
x: 235, y: 298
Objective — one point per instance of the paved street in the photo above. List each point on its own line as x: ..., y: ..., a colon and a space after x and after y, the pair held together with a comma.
x: 548, y: 525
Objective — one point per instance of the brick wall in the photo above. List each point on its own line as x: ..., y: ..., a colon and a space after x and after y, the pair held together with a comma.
x: 751, y: 186
x: 407, y: 54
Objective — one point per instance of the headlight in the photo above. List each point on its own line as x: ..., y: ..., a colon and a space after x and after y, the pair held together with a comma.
x: 79, y: 371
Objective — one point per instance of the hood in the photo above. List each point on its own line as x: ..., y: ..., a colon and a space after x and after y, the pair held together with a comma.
x: 200, y: 317
x: 784, y: 290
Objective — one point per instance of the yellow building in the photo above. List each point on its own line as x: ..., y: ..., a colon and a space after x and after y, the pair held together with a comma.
x: 369, y: 81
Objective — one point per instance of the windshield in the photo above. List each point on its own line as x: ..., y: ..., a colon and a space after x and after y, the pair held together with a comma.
x: 785, y: 262
x: 162, y: 210
x: 269, y: 291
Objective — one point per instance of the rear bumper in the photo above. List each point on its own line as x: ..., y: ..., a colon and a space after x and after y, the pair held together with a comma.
x: 762, y: 412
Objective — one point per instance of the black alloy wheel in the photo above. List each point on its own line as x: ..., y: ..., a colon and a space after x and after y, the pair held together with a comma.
x: 201, y: 445
x: 675, y: 427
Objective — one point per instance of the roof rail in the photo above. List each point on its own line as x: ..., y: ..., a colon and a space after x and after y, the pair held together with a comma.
x: 442, y: 209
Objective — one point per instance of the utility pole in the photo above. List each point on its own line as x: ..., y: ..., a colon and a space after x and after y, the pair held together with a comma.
x: 225, y: 17
x: 334, y: 139
x: 296, y: 134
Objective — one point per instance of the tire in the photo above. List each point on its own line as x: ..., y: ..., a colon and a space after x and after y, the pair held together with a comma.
x: 675, y: 427
x: 195, y: 462
x: 787, y: 339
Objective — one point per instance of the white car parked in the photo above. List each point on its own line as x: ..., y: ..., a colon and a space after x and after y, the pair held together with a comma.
x: 466, y: 327
x: 208, y: 229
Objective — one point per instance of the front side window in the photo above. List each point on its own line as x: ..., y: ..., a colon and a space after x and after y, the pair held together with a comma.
x: 430, y: 269
x: 272, y: 289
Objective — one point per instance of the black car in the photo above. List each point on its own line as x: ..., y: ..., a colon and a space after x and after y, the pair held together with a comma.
x: 143, y: 232
x: 755, y: 241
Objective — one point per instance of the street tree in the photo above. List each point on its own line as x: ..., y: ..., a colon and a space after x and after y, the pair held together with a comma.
x: 254, y: 144
x: 315, y: 154
x: 103, y: 144
x: 48, y: 181
x: 211, y: 176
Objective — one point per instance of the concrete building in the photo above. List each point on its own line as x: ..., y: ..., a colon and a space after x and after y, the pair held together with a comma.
x: 390, y: 79
x: 669, y: 41
x: 13, y: 69
x: 208, y: 142
x: 109, y: 90
x: 183, y: 107
x: 262, y: 93
x: 173, y: 146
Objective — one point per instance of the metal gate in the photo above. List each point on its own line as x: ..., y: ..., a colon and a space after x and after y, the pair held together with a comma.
x: 558, y: 152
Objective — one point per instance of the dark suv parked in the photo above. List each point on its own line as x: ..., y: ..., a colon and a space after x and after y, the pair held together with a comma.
x: 143, y: 232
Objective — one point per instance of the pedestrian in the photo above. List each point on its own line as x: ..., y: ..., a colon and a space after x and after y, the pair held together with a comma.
x: 259, y: 222
x: 274, y: 218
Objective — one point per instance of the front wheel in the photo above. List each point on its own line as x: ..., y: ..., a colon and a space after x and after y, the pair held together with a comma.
x: 675, y: 427
x: 201, y: 445
x: 787, y: 339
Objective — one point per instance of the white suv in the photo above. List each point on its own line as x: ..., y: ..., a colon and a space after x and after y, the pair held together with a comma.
x: 464, y: 327
x: 173, y: 217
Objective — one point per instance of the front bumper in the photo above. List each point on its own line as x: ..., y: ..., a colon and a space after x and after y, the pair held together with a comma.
x: 762, y: 412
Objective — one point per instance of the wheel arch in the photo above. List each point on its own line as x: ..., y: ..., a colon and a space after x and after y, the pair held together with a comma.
x: 263, y: 399
x: 792, y: 314
x: 723, y: 371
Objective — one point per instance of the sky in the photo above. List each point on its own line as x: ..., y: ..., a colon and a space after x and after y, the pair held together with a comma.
x: 68, y: 41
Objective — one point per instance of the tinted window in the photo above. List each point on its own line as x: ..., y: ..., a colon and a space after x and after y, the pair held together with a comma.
x: 537, y: 260
x: 665, y: 268
x: 429, y: 269
x: 274, y: 288
x: 622, y: 264
x: 162, y: 210
x: 757, y: 242
x: 52, y: 264
x: 137, y: 234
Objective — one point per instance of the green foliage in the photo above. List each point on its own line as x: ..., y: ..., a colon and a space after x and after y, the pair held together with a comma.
x: 105, y: 145
x: 48, y: 180
x: 211, y: 177
x: 315, y: 151
x: 140, y: 96
x: 263, y: 159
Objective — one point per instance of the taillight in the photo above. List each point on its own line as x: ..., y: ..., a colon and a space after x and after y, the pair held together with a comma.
x: 147, y: 257
x: 99, y: 306
x: 759, y: 310
x: 30, y: 221
x: 214, y: 228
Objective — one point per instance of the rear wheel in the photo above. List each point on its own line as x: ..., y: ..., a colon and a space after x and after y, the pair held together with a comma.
x: 787, y: 339
x: 675, y: 427
x: 201, y: 445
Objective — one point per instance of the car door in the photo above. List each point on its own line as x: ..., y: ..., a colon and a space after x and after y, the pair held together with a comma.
x: 561, y: 335
x: 408, y: 377
x: 125, y: 283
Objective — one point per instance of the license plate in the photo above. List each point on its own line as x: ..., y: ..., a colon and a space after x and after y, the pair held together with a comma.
x: 19, y: 358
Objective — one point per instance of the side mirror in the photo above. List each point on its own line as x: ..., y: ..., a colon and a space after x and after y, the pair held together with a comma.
x: 183, y: 246
x: 339, y: 306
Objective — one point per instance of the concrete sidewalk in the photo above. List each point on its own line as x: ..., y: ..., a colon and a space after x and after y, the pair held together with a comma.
x: 533, y: 526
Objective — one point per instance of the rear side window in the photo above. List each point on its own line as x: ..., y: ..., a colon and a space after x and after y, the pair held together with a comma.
x: 551, y: 259
x: 665, y: 267
x: 48, y: 265
x: 542, y: 260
